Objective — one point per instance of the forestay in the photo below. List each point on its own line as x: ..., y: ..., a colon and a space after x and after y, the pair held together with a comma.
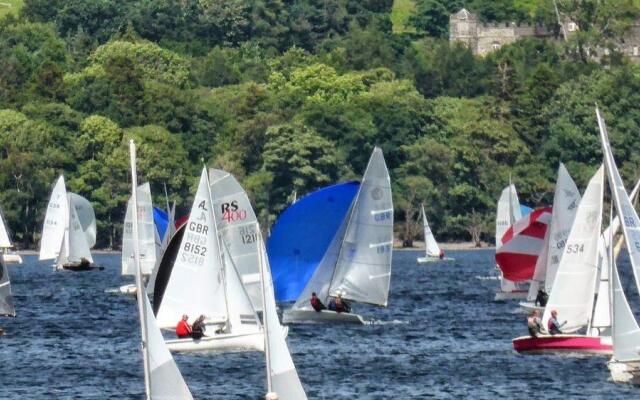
x: 237, y: 224
x: 55, y: 222
x: 573, y: 290
x: 6, y: 299
x: 363, y: 270
x: 430, y: 244
x: 146, y: 232
x: 283, y: 378
x: 196, y: 284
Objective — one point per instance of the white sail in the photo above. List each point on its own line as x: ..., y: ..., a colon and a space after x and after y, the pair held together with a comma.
x: 86, y: 216
x: 363, y: 270
x: 6, y: 299
x: 146, y: 231
x: 508, y: 211
x: 5, y: 242
x: 56, y: 222
x: 573, y: 290
x: 237, y: 224
x: 601, y: 321
x: 626, y: 333
x: 196, y: 284
x: 430, y: 244
x: 76, y: 241
x: 283, y: 378
x: 624, y: 207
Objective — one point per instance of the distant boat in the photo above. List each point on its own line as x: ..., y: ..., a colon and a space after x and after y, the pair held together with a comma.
x: 507, y: 213
x: 5, y: 244
x: 433, y: 253
x: 163, y: 379
x: 69, y: 230
x: 282, y: 377
x: 624, y: 365
x: 575, y: 284
x: 6, y: 299
x: 357, y: 264
x: 204, y: 281
x: 565, y: 205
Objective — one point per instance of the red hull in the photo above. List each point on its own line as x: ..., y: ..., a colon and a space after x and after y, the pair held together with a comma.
x: 563, y: 343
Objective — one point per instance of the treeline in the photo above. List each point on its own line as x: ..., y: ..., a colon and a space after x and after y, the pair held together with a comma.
x: 293, y: 95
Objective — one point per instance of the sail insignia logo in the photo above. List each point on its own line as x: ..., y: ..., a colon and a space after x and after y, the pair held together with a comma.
x: 231, y: 212
x: 377, y: 193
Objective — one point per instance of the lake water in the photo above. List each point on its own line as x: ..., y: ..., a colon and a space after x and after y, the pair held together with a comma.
x: 441, y: 337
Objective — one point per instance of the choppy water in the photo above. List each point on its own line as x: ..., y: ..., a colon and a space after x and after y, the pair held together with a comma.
x: 442, y: 336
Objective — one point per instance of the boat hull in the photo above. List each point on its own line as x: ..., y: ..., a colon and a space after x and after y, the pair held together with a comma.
x: 130, y: 289
x: 529, y: 307
x: 232, y: 342
x: 322, y: 317
x: 78, y: 267
x: 597, y: 345
x: 12, y: 258
x: 513, y: 295
x: 428, y: 260
x: 625, y: 372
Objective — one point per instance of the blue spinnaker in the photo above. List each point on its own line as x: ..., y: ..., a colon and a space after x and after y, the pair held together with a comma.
x: 161, y: 219
x: 302, y: 234
x: 525, y: 210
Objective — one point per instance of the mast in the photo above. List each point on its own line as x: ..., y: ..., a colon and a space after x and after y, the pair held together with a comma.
x: 264, y: 312
x: 140, y: 292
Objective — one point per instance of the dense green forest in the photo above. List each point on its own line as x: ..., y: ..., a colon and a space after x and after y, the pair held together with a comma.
x: 291, y: 95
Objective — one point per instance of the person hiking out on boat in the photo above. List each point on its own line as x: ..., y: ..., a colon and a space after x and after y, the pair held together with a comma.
x: 541, y: 298
x: 339, y: 305
x: 441, y: 255
x: 554, y: 325
x: 84, y: 263
x: 183, y: 329
x: 198, y: 328
x: 533, y: 323
x: 316, y: 303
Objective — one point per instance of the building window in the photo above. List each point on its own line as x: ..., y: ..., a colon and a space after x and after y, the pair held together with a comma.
x: 495, y: 46
x: 572, y: 26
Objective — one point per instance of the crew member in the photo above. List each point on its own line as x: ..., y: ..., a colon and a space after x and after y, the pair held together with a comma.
x: 533, y: 323
x: 316, y: 303
x: 183, y: 329
x: 198, y: 328
x: 554, y: 325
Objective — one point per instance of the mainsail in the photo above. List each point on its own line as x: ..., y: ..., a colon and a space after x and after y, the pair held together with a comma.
x: 6, y: 299
x: 282, y: 375
x: 430, y: 244
x: 363, y: 270
x: 573, y: 290
x: 508, y: 211
x: 55, y: 222
x: 237, y: 224
x: 5, y: 242
x: 76, y: 246
x: 86, y: 216
x: 146, y: 232
x: 196, y: 284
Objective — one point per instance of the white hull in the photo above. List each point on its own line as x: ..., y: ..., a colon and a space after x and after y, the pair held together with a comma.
x: 529, y: 306
x: 12, y: 258
x: 516, y: 295
x: 426, y: 260
x: 129, y: 289
x: 322, y: 317
x: 625, y: 372
x: 226, y: 342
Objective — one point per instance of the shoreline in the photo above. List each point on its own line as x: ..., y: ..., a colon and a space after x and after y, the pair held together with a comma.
x: 418, y: 245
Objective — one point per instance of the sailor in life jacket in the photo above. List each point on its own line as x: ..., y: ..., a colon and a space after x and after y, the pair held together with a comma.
x: 553, y: 326
x: 316, y: 303
x: 183, y: 329
x: 533, y: 323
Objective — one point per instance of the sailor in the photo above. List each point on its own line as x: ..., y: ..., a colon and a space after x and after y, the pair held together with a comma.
x: 316, y: 303
x: 541, y: 298
x: 553, y: 326
x: 339, y: 305
x: 183, y: 329
x: 533, y: 323
x: 198, y: 328
x: 441, y: 255
x: 84, y: 263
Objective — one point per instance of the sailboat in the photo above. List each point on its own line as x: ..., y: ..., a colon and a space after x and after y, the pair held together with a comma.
x: 69, y: 230
x: 149, y: 241
x: 508, y: 212
x: 204, y: 281
x: 6, y: 299
x: 5, y: 244
x: 624, y: 365
x: 575, y: 283
x: 357, y: 263
x: 565, y: 204
x: 163, y: 379
x: 431, y: 248
x: 282, y: 377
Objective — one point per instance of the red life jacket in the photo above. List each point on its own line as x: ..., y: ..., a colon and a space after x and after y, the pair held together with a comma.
x: 183, y: 329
